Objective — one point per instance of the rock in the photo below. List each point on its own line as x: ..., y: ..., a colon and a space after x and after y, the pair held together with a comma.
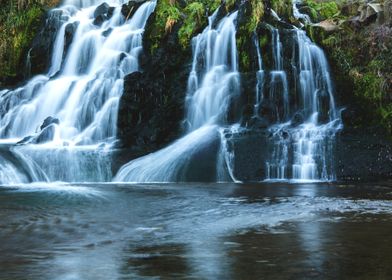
x: 107, y: 32
x: 363, y: 156
x: 128, y: 10
x: 297, y: 119
x: 249, y: 154
x: 267, y: 110
x: 328, y: 25
x: 102, y: 13
x: 70, y: 30
x: 47, y: 134
x: 25, y: 140
x: 370, y: 12
x: 388, y: 11
x: 42, y: 46
x: 152, y: 107
x: 102, y: 9
x: 49, y: 121
x: 259, y: 123
x: 100, y: 19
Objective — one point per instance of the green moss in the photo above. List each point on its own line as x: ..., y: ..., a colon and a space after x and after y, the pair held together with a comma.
x: 18, y: 28
x: 284, y: 8
x: 194, y: 21
x: 190, y: 15
x: 325, y: 9
x: 253, y: 15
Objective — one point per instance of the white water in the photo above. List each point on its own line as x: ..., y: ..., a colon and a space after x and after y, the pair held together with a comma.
x: 212, y: 83
x: 305, y: 152
x: 84, y: 96
x: 260, y: 77
x: 82, y: 89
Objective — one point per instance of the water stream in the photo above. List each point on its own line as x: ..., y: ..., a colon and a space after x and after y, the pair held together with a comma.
x: 81, y: 90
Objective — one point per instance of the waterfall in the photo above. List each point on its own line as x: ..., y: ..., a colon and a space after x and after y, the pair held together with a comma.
x: 81, y: 91
x: 83, y: 88
x: 213, y: 83
x: 303, y: 137
x: 260, y: 75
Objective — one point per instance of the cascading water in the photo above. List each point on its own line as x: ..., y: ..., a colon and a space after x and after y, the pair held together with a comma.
x: 260, y: 76
x: 81, y: 89
x: 212, y: 83
x: 302, y: 145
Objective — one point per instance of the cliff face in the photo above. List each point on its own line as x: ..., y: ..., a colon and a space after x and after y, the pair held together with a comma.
x: 20, y: 21
x: 357, y: 37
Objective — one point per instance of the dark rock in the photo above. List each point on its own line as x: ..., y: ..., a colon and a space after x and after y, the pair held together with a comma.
x: 100, y: 19
x: 43, y: 43
x: 250, y: 152
x: 46, y: 135
x: 259, y: 123
x: 25, y: 140
x: 70, y: 30
x: 297, y: 120
x: 110, y: 12
x: 49, y: 121
x: 128, y: 10
x: 107, y: 32
x: 363, y: 155
x: 151, y: 109
x: 102, y: 9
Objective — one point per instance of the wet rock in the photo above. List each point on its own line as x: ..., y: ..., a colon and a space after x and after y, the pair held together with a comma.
x: 249, y: 154
x: 128, y: 10
x: 46, y: 135
x: 297, y: 119
x: 102, y: 13
x: 42, y: 46
x: 99, y: 20
x: 363, y: 155
x: 102, y: 9
x: 328, y: 25
x: 259, y: 123
x: 107, y: 32
x: 70, y: 30
x: 151, y: 109
x: 49, y: 121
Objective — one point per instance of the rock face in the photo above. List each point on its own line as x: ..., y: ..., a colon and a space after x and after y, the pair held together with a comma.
x: 102, y: 13
x: 45, y: 134
x: 42, y: 47
x: 357, y: 156
x: 152, y: 106
x: 363, y: 156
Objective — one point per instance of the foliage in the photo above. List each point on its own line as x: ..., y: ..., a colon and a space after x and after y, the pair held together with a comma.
x: 193, y: 21
x: 362, y: 57
x: 19, y: 23
x: 324, y: 9
x: 284, y: 8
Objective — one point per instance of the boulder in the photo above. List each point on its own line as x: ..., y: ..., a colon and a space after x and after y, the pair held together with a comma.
x: 129, y: 9
x: 102, y: 9
x: 43, y: 43
x: 49, y: 121
x: 45, y: 134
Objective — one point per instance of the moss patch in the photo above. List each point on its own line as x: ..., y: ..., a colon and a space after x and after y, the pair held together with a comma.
x: 19, y: 23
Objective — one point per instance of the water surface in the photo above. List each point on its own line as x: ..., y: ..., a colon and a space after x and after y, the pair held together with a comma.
x: 196, y: 231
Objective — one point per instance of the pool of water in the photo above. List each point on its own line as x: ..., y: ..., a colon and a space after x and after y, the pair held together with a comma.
x: 196, y: 231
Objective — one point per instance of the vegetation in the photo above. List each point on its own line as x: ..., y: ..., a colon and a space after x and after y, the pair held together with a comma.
x: 19, y: 22
x: 322, y: 10
x: 191, y: 17
x: 360, y: 54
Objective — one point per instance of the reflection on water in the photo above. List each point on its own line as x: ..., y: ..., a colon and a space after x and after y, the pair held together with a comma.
x: 226, y: 231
